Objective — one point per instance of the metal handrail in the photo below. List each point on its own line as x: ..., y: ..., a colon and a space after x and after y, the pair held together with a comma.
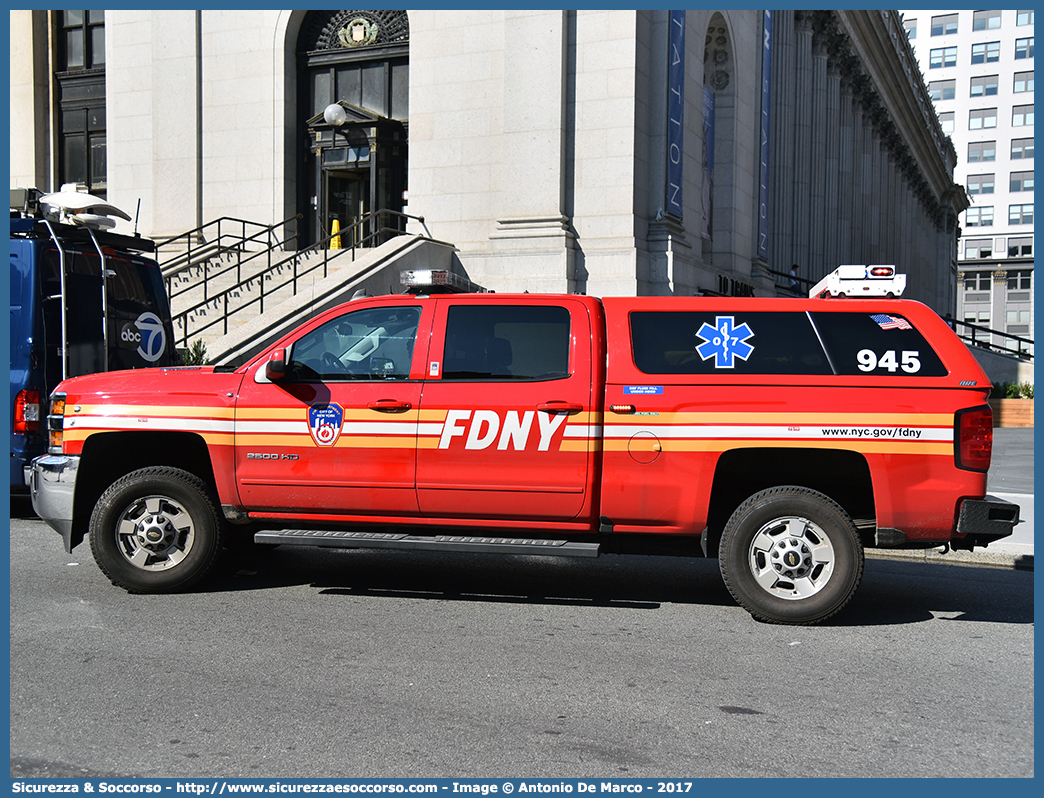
x: 200, y: 249
x: 1023, y: 346
x: 221, y: 298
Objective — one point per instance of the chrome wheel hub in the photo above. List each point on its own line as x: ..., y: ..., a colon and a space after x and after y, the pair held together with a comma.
x: 791, y: 558
x: 155, y: 533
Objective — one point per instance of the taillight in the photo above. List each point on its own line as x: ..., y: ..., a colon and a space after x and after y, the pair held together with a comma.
x: 973, y: 438
x: 882, y: 271
x: 26, y: 412
x: 56, y: 423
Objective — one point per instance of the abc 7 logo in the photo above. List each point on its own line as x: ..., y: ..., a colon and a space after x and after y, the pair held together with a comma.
x: 146, y: 331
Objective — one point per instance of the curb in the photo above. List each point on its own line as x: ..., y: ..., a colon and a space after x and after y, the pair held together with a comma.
x: 976, y: 559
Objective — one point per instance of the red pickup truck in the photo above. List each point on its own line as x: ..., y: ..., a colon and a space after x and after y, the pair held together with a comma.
x: 782, y: 436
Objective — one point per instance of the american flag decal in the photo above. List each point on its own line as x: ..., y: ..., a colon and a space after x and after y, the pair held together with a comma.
x: 886, y: 322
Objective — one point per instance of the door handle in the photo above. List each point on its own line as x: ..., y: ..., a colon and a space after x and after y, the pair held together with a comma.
x: 389, y: 406
x: 560, y: 407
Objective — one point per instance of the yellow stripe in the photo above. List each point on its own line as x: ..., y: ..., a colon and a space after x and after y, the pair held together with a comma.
x: 301, y: 414
x: 143, y: 411
x: 574, y: 445
x: 790, y: 419
x: 215, y: 438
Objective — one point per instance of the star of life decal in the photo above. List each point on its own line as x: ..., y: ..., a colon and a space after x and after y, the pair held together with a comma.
x: 725, y: 342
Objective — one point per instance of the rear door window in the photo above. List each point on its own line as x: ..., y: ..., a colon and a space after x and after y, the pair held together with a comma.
x: 876, y: 343
x: 506, y: 342
x: 695, y: 342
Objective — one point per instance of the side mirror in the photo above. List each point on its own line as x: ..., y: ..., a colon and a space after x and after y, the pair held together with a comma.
x: 275, y: 368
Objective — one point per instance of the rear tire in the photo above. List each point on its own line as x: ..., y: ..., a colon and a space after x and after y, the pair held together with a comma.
x: 791, y: 555
x: 156, y: 530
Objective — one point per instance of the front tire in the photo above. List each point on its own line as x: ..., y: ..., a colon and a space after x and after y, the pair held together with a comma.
x: 791, y: 555
x: 156, y: 530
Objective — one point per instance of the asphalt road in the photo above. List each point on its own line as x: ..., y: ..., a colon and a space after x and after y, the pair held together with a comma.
x: 312, y: 663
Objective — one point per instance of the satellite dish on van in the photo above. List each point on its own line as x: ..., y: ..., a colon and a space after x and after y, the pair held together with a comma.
x: 69, y: 202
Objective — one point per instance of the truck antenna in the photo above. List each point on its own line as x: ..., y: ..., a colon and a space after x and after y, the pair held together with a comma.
x: 137, y: 213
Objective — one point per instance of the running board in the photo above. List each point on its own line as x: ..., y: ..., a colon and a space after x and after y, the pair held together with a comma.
x: 340, y: 539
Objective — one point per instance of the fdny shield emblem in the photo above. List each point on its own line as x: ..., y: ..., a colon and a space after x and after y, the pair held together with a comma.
x: 324, y: 423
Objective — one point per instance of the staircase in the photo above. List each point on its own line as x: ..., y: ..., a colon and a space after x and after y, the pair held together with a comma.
x: 231, y: 272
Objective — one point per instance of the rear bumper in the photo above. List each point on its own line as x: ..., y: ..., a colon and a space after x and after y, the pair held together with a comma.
x: 52, y: 487
x: 983, y: 521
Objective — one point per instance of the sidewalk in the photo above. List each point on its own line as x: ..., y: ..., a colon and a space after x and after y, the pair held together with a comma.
x: 1011, y: 479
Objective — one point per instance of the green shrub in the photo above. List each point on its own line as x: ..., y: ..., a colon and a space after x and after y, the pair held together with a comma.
x: 196, y: 354
x: 1014, y: 390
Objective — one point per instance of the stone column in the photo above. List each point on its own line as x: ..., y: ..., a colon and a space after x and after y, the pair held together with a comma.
x: 803, y: 154
x: 833, y: 125
x: 532, y: 225
x: 781, y: 163
x: 846, y: 149
x: 817, y: 222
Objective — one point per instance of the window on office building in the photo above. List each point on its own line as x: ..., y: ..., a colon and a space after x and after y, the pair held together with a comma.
x: 1019, y: 279
x: 944, y: 25
x: 942, y: 90
x: 984, y: 86
x: 977, y: 281
x: 1020, y: 214
x: 942, y: 57
x: 946, y: 122
x: 986, y: 20
x: 982, y: 151
x: 982, y: 118
x: 978, y: 248
x: 1021, y: 115
x: 1023, y: 82
x: 979, y: 217
x: 1021, y: 148
x: 985, y: 53
x: 1020, y: 247
x: 910, y: 25
x: 1023, y: 48
x: 1024, y: 17
x: 1021, y: 181
x: 980, y: 184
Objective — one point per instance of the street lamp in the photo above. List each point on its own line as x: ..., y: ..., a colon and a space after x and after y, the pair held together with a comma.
x: 335, y: 115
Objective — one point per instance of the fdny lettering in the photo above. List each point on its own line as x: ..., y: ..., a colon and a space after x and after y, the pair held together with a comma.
x: 480, y: 431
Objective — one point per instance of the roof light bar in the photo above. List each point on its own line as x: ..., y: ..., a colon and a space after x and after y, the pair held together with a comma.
x: 433, y: 281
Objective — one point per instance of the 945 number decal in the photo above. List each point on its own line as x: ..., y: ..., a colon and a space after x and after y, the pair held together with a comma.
x: 909, y: 361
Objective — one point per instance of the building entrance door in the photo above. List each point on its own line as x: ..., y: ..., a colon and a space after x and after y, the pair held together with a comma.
x: 344, y: 203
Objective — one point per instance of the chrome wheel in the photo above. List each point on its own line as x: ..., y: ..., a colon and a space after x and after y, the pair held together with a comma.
x: 791, y: 558
x: 156, y: 530
x: 155, y: 533
x: 790, y: 554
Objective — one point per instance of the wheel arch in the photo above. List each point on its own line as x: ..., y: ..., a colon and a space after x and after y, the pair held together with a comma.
x: 839, y: 474
x: 108, y: 456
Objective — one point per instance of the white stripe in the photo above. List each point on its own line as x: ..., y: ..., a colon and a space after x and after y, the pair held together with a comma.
x: 259, y: 427
x: 379, y: 428
x: 583, y: 431
x: 795, y: 431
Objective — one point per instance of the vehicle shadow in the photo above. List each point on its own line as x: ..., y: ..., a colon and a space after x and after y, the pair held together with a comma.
x: 892, y: 591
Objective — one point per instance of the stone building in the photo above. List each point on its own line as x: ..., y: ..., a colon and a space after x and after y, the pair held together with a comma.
x: 609, y: 152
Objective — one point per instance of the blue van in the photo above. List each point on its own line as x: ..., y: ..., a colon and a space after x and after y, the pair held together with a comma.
x: 83, y: 300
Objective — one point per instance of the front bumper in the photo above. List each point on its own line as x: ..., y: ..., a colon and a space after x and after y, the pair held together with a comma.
x: 52, y: 487
x: 984, y: 521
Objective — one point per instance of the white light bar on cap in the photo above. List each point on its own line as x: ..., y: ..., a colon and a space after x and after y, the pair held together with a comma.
x: 855, y: 280
x: 438, y: 280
